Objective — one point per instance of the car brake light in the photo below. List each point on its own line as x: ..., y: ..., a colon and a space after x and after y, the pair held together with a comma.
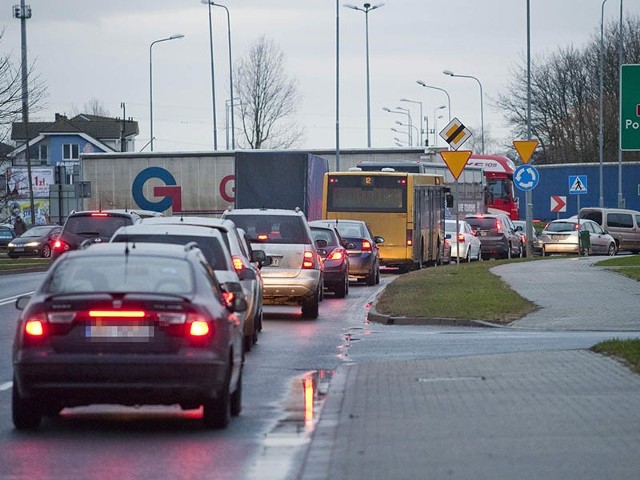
x: 99, y: 214
x: 498, y: 227
x: 335, y: 255
x: 198, y: 325
x: 35, y: 326
x: 308, y: 259
x: 227, y: 298
x: 461, y: 237
x: 366, y: 246
x: 116, y: 313
x: 262, y: 237
x: 238, y: 264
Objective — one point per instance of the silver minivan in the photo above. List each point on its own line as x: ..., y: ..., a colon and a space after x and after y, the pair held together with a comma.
x: 622, y: 224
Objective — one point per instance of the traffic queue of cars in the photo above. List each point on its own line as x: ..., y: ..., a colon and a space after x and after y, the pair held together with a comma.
x: 162, y: 310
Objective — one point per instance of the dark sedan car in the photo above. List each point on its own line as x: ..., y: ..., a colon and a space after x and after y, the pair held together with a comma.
x: 364, y: 255
x: 36, y: 241
x: 332, y: 249
x: 6, y: 235
x: 130, y: 325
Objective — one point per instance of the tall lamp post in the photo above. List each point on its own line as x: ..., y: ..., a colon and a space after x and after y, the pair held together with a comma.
x: 451, y: 74
x: 601, y: 119
x: 213, y: 4
x: 366, y: 8
x: 422, y: 143
x: 213, y: 78
x: 172, y: 37
x: 387, y: 109
x: 409, y: 118
x: 435, y: 124
x: 422, y: 84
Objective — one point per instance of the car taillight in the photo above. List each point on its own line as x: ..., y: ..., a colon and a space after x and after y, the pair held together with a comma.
x: 335, y: 255
x: 461, y: 237
x: 498, y: 227
x: 35, y: 326
x: 227, y: 298
x: 60, y: 245
x: 366, y: 246
x: 309, y: 259
x: 100, y: 214
x: 238, y: 264
x: 198, y: 326
x: 117, y: 313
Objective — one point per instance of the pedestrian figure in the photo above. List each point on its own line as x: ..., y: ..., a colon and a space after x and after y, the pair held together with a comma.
x: 19, y: 226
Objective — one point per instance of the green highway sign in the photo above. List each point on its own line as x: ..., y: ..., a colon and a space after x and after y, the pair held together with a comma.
x: 630, y: 107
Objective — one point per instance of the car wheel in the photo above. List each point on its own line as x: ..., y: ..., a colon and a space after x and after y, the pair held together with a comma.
x: 342, y: 288
x: 216, y: 412
x: 371, y: 277
x: 508, y: 256
x: 611, y: 251
x: 46, y: 251
x: 25, y: 412
x: 236, y: 397
x: 247, y: 342
x: 467, y: 257
x: 310, y: 306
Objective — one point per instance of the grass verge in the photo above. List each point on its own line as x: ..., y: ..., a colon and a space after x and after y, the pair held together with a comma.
x: 468, y: 291
x: 626, y: 350
x: 627, y: 265
x: 17, y: 264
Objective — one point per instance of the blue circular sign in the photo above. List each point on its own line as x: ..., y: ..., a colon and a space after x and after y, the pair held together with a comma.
x: 526, y: 177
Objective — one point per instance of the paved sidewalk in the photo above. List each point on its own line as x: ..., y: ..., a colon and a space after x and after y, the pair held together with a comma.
x: 541, y: 415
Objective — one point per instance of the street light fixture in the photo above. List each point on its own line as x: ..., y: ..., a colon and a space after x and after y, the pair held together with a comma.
x: 213, y: 4
x: 409, y: 127
x: 422, y: 84
x: 172, y: 37
x: 393, y: 129
x: 387, y: 109
x: 435, y: 124
x: 366, y: 8
x: 421, y: 117
x: 451, y: 74
x: 408, y: 112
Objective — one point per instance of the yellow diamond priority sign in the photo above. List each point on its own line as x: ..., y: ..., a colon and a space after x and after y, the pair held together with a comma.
x: 455, y: 160
x: 455, y: 134
x: 525, y: 148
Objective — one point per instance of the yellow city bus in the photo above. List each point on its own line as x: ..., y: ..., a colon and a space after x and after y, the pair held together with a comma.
x: 406, y: 209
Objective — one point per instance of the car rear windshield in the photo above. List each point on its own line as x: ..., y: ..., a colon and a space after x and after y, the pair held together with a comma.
x: 482, y: 223
x: 281, y: 229
x: 560, y: 227
x: 350, y: 230
x: 107, y: 273
x: 96, y: 225
x: 210, y: 246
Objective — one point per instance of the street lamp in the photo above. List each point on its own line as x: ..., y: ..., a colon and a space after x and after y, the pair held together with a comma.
x: 393, y: 129
x: 409, y: 127
x: 366, y: 8
x: 435, y: 124
x: 213, y: 4
x: 387, y: 109
x: 408, y: 112
x: 601, y: 122
x: 172, y: 37
x: 421, y: 117
x: 451, y: 74
x: 213, y: 78
x: 421, y: 83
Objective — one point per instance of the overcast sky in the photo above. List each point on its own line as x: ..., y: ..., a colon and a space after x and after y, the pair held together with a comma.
x: 87, y: 49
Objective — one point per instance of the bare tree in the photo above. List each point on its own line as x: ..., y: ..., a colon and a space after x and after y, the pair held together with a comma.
x: 11, y: 92
x: 268, y: 98
x: 93, y: 107
x: 565, y: 97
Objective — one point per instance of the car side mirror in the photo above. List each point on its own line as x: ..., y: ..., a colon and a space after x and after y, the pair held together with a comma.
x: 21, y: 302
x: 378, y: 239
x: 266, y: 262
x: 258, y: 256
x: 321, y: 243
x: 447, y: 236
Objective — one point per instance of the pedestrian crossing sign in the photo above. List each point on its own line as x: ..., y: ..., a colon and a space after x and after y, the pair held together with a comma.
x: 577, y: 184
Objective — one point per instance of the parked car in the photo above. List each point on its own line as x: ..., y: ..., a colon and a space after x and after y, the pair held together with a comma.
x: 364, y: 255
x: 497, y: 234
x: 333, y: 251
x: 91, y: 226
x: 622, y: 224
x: 294, y: 275
x: 561, y: 236
x: 464, y: 244
x: 521, y: 230
x: 113, y: 324
x: 6, y: 235
x: 246, y: 261
x: 36, y: 241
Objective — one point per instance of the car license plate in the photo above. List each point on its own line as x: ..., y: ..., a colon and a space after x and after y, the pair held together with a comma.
x: 18, y: 249
x: 275, y: 262
x: 125, y: 332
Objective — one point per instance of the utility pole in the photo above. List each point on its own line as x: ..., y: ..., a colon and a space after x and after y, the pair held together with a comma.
x: 123, y: 138
x: 23, y: 12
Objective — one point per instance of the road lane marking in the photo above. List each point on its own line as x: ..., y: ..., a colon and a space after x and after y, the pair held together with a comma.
x: 6, y: 386
x: 5, y: 301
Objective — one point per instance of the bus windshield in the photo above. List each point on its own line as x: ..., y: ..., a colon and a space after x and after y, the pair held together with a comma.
x: 367, y: 194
